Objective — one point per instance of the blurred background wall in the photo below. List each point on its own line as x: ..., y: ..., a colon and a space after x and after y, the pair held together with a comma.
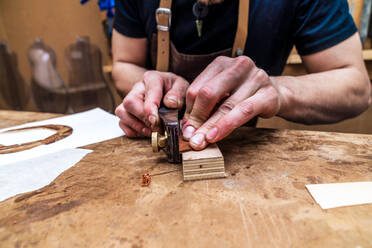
x: 57, y: 22
x: 2, y: 28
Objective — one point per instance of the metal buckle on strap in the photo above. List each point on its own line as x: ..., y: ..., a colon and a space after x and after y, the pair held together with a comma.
x: 166, y: 12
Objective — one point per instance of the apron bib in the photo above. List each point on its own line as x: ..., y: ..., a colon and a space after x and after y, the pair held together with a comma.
x: 165, y: 56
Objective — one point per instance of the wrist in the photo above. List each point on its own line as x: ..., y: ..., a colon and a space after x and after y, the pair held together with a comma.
x: 126, y: 75
x: 285, y: 95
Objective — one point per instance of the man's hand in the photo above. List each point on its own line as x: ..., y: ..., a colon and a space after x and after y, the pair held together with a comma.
x: 226, y: 95
x: 139, y: 111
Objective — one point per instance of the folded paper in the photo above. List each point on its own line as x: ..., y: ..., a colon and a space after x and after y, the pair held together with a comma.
x: 341, y: 194
x: 33, y: 174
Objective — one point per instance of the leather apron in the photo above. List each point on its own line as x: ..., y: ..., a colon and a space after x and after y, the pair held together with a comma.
x: 165, y: 56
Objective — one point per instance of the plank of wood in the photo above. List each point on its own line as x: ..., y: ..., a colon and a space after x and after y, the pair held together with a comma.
x: 264, y: 203
x: 206, y: 164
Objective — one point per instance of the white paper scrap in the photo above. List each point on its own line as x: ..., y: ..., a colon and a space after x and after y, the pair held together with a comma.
x: 89, y: 127
x: 33, y: 174
x: 341, y: 194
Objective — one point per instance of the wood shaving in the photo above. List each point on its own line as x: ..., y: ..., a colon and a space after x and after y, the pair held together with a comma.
x: 146, y: 180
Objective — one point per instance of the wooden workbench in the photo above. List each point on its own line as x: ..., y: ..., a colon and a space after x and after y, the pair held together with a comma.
x: 263, y: 203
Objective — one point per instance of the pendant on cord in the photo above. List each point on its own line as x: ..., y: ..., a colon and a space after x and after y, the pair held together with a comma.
x: 200, y: 11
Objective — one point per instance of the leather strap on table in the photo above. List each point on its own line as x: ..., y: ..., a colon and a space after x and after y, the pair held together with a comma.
x: 242, y: 29
x: 163, y: 19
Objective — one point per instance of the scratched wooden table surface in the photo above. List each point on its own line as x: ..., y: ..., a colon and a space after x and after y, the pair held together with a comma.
x: 262, y: 203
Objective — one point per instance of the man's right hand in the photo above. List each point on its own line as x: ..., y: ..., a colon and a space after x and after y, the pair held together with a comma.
x: 139, y: 111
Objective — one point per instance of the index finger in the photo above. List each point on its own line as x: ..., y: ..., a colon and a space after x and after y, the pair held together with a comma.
x: 134, y: 102
x: 238, y: 116
x: 214, y: 68
x: 218, y: 88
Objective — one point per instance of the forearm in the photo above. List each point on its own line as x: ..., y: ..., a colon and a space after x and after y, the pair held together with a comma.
x: 324, y: 97
x: 126, y: 75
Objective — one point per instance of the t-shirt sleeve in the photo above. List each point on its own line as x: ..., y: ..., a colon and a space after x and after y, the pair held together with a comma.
x: 127, y: 19
x: 321, y: 24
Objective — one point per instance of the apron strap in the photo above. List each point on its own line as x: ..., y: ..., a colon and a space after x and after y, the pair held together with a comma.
x: 242, y: 29
x: 163, y: 20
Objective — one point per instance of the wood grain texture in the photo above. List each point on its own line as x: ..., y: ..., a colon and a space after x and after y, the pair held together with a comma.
x: 204, y: 164
x: 262, y: 203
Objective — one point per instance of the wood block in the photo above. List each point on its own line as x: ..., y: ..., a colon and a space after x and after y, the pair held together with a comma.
x: 205, y: 164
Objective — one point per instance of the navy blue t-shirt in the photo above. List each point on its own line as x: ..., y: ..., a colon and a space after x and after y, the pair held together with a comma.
x: 274, y: 27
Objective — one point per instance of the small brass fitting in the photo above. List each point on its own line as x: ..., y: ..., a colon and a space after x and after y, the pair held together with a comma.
x: 158, y: 141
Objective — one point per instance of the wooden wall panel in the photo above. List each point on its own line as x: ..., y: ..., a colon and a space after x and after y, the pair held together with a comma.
x: 3, y: 35
x: 356, y: 9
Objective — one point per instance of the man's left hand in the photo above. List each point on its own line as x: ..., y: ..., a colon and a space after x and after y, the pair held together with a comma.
x: 225, y: 96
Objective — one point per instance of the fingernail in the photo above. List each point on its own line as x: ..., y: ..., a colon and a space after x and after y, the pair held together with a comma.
x: 154, y: 111
x: 146, y: 131
x: 172, y: 99
x: 197, y: 139
x: 188, y: 132
x: 152, y: 120
x: 212, y: 134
